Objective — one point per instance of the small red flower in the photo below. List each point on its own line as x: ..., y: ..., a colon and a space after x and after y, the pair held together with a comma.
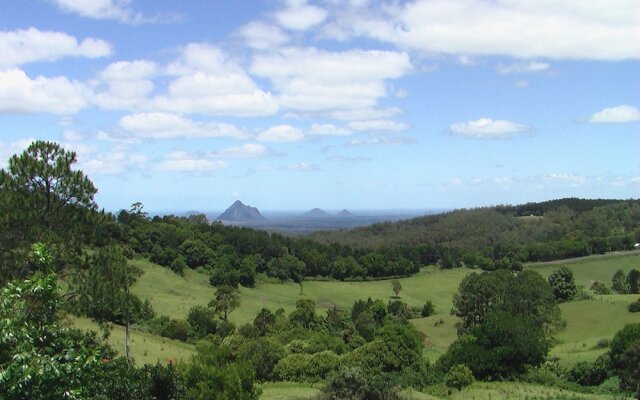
x: 170, y: 361
x: 106, y: 360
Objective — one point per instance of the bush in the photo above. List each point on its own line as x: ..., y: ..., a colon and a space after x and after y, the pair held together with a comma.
x: 634, y: 307
x: 600, y: 288
x: 590, y: 374
x: 202, y: 320
x: 459, y: 376
x: 563, y: 284
x: 428, y: 309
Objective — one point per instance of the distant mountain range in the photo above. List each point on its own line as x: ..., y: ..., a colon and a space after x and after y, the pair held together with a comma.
x: 318, y: 213
x: 238, y: 212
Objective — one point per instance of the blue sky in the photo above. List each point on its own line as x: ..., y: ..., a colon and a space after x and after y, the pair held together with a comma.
x: 334, y: 104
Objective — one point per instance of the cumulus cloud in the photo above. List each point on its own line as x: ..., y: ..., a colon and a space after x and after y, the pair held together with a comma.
x: 117, y: 160
x: 207, y: 80
x: 359, y: 114
x: 183, y: 161
x: 261, y: 36
x: 614, y: 115
x: 378, y: 125
x: 33, y: 45
x: 486, y: 128
x: 156, y: 125
x: 119, y: 10
x: 572, y: 29
x: 329, y: 130
x: 125, y: 84
x: 20, y: 94
x: 281, y: 133
x: 300, y: 16
x: 316, y: 80
x: 348, y: 159
x: 533, y: 66
x: 248, y: 150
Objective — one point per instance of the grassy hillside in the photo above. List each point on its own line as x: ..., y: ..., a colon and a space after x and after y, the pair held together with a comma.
x: 477, y: 391
x: 587, y: 321
x: 145, y: 348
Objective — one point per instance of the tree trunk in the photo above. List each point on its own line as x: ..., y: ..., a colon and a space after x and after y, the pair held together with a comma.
x: 126, y: 326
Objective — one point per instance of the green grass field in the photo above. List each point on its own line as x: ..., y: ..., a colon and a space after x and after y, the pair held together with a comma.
x: 477, y: 391
x: 145, y: 348
x: 587, y: 321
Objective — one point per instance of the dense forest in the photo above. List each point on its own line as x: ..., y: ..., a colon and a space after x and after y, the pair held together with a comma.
x: 62, y: 255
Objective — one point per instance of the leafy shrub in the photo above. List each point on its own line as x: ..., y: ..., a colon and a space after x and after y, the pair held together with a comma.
x: 590, y: 374
x: 600, y: 288
x: 459, y: 376
x: 563, y: 284
x: 428, y: 309
x: 202, y: 320
x: 603, y: 343
x: 634, y: 307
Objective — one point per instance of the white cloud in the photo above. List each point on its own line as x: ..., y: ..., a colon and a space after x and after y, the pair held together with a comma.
x: 613, y: 115
x: 380, y: 140
x: 485, y: 128
x: 572, y: 180
x: 281, y: 133
x: 328, y: 130
x: 33, y: 45
x: 156, y: 125
x: 378, y: 125
x: 115, y: 161
x: 119, y: 10
x: 534, y: 66
x: 317, y: 80
x: 19, y: 94
x: 209, y: 81
x: 300, y: 16
x: 187, y: 162
x: 248, y: 150
x: 570, y: 29
x: 125, y: 84
x: 303, y: 166
x: 261, y: 36
x: 7, y: 150
x: 72, y: 136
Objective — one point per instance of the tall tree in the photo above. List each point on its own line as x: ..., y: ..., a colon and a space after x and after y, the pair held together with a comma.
x: 42, y: 199
x: 563, y: 284
x: 226, y: 301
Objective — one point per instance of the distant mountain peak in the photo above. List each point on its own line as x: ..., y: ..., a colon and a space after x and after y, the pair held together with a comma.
x: 315, y: 213
x: 344, y: 214
x: 239, y: 212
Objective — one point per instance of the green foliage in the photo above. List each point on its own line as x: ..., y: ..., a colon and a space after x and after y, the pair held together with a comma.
x: 459, y: 376
x: 202, y: 321
x: 212, y: 375
x: 43, y: 199
x: 502, y: 346
x: 563, y: 284
x: 428, y: 309
x: 619, y: 282
x: 225, y: 302
x: 262, y: 354
x: 303, y: 367
x: 286, y: 267
x: 305, y: 314
x: 527, y: 294
x: 625, y: 355
x: 349, y: 383
x: 102, y: 289
x: 397, y: 287
x: 590, y: 374
x: 40, y: 359
x: 633, y: 281
x: 264, y: 321
x: 600, y: 288
x: 635, y: 306
x: 165, y: 383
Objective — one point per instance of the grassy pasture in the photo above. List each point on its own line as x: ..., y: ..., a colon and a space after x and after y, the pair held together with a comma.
x: 145, y: 348
x: 587, y: 321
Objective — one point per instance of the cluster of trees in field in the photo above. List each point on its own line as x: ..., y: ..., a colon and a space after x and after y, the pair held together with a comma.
x: 504, y: 236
